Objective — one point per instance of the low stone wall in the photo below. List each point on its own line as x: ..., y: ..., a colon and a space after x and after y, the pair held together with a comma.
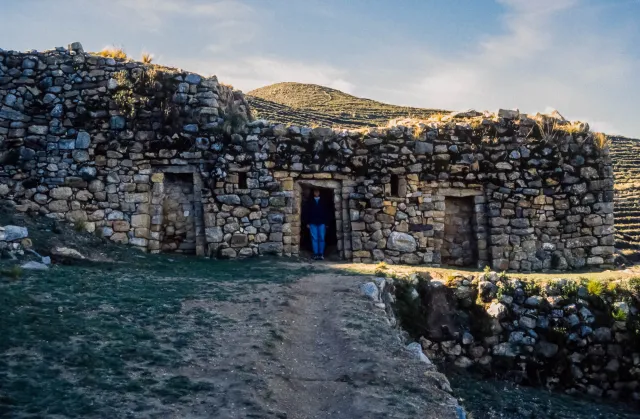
x: 93, y: 140
x: 572, y: 336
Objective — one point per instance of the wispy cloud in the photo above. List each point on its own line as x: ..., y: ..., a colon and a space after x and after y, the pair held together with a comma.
x: 533, y: 62
x: 152, y: 14
x: 257, y: 71
x: 579, y: 56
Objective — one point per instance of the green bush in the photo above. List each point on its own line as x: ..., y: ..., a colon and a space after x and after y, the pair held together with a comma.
x: 80, y: 226
x: 595, y: 287
x: 531, y: 288
x: 619, y: 315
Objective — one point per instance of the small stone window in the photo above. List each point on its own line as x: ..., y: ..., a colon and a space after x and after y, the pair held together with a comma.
x: 395, y: 185
x: 242, y: 180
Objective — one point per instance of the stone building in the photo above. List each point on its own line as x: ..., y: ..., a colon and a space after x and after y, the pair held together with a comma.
x: 167, y: 160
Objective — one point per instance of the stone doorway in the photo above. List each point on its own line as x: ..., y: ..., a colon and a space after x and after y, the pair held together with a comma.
x: 177, y: 221
x: 178, y: 233
x: 459, y: 247
x: 331, y: 239
x: 331, y: 191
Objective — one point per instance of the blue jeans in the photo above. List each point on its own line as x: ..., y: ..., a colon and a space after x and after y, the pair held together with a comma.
x: 317, y: 238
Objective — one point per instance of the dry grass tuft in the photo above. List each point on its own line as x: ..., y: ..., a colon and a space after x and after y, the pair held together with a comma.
x: 601, y: 140
x: 570, y: 128
x: 113, y: 52
x: 147, y: 58
x: 548, y: 130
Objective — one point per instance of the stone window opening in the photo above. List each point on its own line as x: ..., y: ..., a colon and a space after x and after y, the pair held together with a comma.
x: 395, y: 185
x: 242, y: 180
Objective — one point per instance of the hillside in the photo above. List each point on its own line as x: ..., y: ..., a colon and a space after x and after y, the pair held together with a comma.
x: 626, y: 170
x: 310, y: 104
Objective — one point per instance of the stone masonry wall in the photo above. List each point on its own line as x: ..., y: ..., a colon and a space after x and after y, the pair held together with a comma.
x: 90, y: 140
x: 576, y: 336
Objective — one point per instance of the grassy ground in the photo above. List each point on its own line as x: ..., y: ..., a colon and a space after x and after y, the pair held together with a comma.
x: 444, y: 272
x: 157, y: 336
x: 77, y: 340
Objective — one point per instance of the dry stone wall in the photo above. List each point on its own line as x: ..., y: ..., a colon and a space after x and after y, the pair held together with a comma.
x: 573, y: 336
x: 94, y: 140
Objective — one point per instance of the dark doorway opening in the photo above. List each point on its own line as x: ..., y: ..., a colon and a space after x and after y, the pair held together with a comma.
x: 459, y: 247
x: 331, y: 238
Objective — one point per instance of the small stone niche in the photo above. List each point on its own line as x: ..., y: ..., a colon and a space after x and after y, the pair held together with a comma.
x: 459, y: 247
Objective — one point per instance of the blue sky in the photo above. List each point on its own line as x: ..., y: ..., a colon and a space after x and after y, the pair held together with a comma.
x: 581, y: 57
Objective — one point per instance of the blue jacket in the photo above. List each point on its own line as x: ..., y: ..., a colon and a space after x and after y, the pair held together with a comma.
x: 317, y: 212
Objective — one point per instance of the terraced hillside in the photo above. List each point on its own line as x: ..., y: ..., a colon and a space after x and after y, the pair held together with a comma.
x: 626, y: 167
x: 310, y: 104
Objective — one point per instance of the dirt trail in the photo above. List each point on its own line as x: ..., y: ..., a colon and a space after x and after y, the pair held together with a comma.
x: 339, y: 358
x: 313, y: 348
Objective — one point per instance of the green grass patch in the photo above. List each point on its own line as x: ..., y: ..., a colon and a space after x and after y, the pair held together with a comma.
x: 85, y: 340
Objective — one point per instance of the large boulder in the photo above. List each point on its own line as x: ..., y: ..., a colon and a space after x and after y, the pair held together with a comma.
x: 401, y: 242
x: 35, y: 266
x: 370, y: 290
x: 66, y: 254
x: 416, y: 350
x: 13, y: 233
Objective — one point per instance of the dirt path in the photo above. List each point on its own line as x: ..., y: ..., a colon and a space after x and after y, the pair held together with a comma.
x: 339, y: 358
x: 327, y: 353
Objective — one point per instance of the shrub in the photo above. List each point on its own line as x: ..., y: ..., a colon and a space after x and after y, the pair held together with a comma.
x: 619, y: 315
x: 113, y: 52
x: 570, y: 290
x: 634, y: 285
x: 127, y: 96
x: 613, y: 288
x: 531, y: 288
x: 505, y: 288
x: 147, y: 58
x: 595, y: 287
x: 80, y: 226
x: 451, y: 281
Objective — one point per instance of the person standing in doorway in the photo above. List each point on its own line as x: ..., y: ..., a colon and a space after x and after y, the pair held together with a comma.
x: 317, y: 220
